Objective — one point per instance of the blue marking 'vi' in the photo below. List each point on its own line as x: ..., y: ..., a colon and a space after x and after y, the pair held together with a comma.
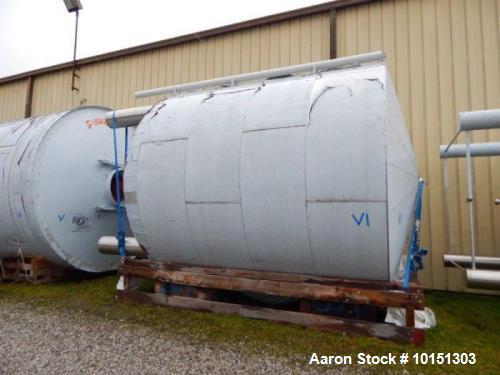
x: 364, y: 216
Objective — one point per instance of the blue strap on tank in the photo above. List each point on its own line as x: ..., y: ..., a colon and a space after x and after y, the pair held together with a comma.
x: 415, y: 253
x: 120, y: 235
x: 126, y: 145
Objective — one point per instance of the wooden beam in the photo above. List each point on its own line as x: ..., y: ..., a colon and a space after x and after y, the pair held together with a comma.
x: 320, y: 322
x: 280, y: 288
x: 414, y: 287
x: 29, y: 97
x: 333, y: 33
x: 410, y: 317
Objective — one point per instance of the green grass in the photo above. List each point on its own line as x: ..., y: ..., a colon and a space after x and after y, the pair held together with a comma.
x: 466, y: 323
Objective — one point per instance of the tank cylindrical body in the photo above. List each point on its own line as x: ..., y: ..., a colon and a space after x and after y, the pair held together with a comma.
x: 55, y: 182
x: 305, y: 174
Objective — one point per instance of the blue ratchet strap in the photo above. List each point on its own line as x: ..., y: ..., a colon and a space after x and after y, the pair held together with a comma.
x: 415, y: 254
x: 126, y: 145
x: 120, y: 236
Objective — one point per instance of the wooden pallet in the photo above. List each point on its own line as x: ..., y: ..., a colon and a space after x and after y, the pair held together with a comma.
x: 203, y: 281
x: 35, y: 270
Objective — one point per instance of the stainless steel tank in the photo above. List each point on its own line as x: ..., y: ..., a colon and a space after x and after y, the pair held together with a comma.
x: 310, y: 174
x: 56, y: 201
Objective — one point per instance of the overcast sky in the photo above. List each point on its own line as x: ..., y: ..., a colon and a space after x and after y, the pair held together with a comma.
x: 39, y: 33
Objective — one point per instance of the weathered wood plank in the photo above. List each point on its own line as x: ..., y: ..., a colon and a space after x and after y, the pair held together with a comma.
x: 280, y: 288
x: 414, y: 287
x: 320, y: 322
x: 410, y: 317
x: 34, y: 270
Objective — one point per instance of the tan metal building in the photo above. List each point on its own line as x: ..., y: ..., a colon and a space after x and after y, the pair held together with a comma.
x: 444, y: 56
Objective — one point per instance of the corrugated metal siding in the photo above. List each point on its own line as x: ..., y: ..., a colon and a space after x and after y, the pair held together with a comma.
x: 52, y: 93
x: 444, y: 58
x: 13, y: 100
x: 112, y: 83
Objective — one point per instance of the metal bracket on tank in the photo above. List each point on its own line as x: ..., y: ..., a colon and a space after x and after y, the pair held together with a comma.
x: 109, y: 163
x: 103, y: 208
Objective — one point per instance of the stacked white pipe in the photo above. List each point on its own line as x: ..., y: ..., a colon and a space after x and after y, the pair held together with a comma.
x: 482, y: 272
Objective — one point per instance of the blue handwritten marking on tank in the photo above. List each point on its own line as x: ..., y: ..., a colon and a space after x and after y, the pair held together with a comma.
x: 61, y: 217
x: 359, y: 221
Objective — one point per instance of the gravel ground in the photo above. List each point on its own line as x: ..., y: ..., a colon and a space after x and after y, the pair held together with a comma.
x: 57, y: 342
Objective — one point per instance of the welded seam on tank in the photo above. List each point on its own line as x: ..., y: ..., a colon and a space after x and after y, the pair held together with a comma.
x: 323, y: 91
x: 213, y: 202
x: 188, y: 219
x: 136, y: 220
x: 161, y: 141
x: 389, y: 121
x: 14, y: 174
x: 348, y: 87
x: 275, y: 128
x: 402, y: 170
x: 157, y: 108
x: 24, y: 151
x: 382, y: 86
x: 263, y: 84
x: 402, y: 143
x: 36, y: 121
x: 308, y: 228
x: 33, y: 224
x: 247, y: 245
x: 347, y: 200
x: 20, y: 227
x: 19, y: 126
x: 394, y: 205
x: 31, y: 151
x: 213, y: 93
x: 387, y: 238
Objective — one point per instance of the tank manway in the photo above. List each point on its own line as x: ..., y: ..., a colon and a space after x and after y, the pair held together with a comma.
x: 309, y: 173
x: 56, y: 198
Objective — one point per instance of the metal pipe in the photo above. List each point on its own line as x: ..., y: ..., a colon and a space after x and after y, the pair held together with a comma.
x: 465, y: 261
x: 74, y: 75
x: 470, y: 198
x: 476, y: 149
x: 452, y: 141
x: 445, y: 200
x: 483, y: 279
x: 127, y: 117
x: 479, y: 120
x: 109, y: 245
x: 341, y: 62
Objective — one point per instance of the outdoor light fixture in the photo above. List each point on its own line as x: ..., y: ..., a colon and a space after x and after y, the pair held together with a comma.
x: 74, y: 6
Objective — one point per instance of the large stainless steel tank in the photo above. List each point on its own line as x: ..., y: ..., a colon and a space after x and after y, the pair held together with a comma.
x: 312, y: 174
x: 55, y: 196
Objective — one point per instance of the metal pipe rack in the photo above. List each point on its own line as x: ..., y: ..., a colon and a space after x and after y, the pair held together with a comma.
x: 468, y: 122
